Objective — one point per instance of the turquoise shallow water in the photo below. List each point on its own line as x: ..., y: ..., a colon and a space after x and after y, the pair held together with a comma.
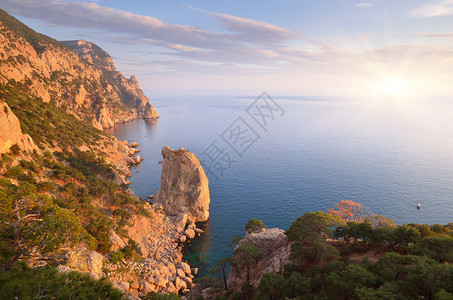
x: 386, y: 155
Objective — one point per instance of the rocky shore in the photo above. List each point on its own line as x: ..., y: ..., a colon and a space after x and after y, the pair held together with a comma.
x: 182, y: 200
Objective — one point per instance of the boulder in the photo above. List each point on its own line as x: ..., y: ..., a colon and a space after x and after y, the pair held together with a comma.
x: 117, y: 242
x: 160, y: 281
x: 171, y: 288
x: 180, y: 273
x: 85, y: 261
x: 180, y: 284
x: 124, y: 285
x: 171, y: 268
x: 185, y: 267
x: 184, y: 186
x: 189, y: 233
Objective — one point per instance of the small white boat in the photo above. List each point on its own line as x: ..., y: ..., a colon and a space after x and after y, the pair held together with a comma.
x: 419, y: 205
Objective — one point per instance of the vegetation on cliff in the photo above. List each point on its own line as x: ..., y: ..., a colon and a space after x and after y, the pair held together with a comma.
x: 342, y: 254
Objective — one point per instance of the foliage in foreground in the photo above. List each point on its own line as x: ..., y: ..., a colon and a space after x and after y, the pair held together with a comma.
x: 46, y: 283
x: 414, y: 261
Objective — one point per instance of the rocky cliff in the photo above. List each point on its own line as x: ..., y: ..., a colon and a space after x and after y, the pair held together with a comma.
x: 87, y: 86
x: 273, y: 253
x: 184, y: 186
x: 11, y: 133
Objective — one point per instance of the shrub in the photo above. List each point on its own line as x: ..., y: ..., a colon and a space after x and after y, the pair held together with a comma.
x: 46, y: 283
x: 15, y: 149
x: 254, y: 225
x: 116, y: 257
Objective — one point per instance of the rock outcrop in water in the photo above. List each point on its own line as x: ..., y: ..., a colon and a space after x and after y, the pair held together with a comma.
x: 184, y: 186
x: 274, y: 250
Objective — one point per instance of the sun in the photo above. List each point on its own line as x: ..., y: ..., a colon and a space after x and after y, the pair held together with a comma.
x: 394, y: 87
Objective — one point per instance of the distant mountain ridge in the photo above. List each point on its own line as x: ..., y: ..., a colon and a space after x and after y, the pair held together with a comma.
x: 77, y: 75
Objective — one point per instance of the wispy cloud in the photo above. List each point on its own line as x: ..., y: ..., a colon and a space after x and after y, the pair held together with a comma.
x: 436, y: 35
x: 243, y: 47
x: 442, y: 8
x: 365, y: 4
x: 252, y: 30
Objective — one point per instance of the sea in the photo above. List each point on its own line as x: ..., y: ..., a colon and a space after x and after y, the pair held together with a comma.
x: 275, y: 158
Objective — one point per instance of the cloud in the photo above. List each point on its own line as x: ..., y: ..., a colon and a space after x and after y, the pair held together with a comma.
x: 252, y: 30
x: 435, y: 35
x: 443, y: 8
x: 92, y: 15
x: 365, y: 4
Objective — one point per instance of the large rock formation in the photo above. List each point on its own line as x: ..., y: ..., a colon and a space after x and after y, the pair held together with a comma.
x: 184, y: 186
x: 127, y: 89
x: 11, y: 133
x: 274, y: 250
x: 88, y: 87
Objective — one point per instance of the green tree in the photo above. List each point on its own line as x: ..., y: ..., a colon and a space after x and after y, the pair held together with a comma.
x: 34, y: 223
x: 438, y: 248
x: 254, y: 225
x: 220, y: 267
x: 308, y: 234
x: 272, y: 287
x: 246, y: 255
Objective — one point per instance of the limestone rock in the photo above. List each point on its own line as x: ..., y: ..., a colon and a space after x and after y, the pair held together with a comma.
x: 117, y: 242
x: 274, y: 251
x: 171, y: 288
x: 184, y: 186
x: 85, y: 261
x: 124, y: 285
x: 81, y: 77
x: 180, y: 273
x: 180, y: 284
x: 183, y: 238
x: 185, y: 267
x: 160, y: 281
x: 146, y: 287
x: 190, y: 233
x: 11, y: 133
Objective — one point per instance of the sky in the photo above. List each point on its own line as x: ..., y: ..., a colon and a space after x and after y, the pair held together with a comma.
x: 385, y: 48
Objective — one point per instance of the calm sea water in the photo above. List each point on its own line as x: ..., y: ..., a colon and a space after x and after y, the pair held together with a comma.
x: 387, y: 155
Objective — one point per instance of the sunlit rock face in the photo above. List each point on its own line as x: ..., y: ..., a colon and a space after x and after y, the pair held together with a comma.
x: 274, y: 251
x: 184, y: 186
x: 11, y: 133
x: 76, y: 75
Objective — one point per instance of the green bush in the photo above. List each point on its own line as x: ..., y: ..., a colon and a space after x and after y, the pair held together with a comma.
x: 116, y: 257
x: 14, y: 172
x: 46, y: 283
x: 15, y: 149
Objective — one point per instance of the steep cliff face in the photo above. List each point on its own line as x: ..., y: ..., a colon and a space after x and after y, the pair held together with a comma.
x: 11, y: 133
x: 127, y: 89
x: 90, y: 87
x: 184, y: 186
x: 273, y: 254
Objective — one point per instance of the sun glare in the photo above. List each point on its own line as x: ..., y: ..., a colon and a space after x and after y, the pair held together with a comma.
x: 394, y: 87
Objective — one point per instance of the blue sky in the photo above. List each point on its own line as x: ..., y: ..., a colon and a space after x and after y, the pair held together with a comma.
x: 291, y: 47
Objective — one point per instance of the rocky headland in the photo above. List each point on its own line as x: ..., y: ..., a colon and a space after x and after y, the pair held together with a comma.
x: 76, y: 75
x: 56, y: 98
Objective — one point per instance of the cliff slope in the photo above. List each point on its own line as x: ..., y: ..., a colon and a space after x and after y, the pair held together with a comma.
x: 88, y: 87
